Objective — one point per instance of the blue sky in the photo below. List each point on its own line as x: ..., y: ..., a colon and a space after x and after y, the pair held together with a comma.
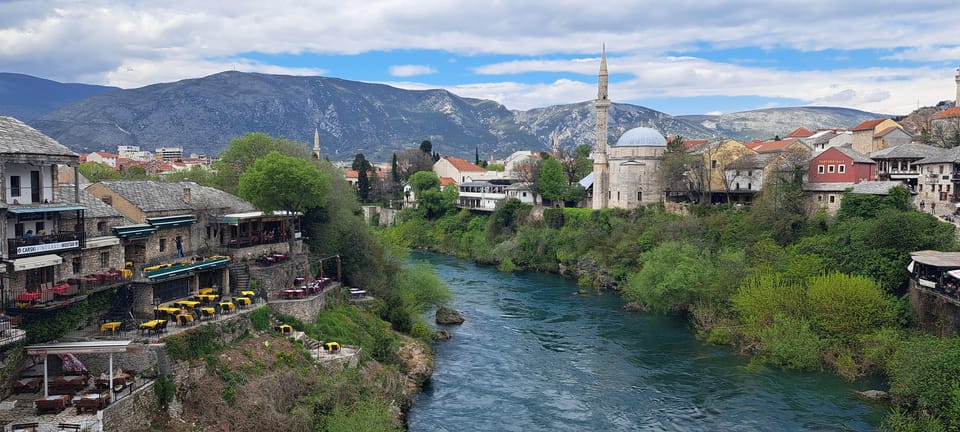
x: 681, y: 57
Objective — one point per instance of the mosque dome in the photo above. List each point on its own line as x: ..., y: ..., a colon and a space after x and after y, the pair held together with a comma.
x: 641, y: 137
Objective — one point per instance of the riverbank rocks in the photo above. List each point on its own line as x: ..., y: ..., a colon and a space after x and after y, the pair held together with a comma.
x: 442, y: 335
x: 874, y: 395
x: 634, y: 307
x: 447, y: 315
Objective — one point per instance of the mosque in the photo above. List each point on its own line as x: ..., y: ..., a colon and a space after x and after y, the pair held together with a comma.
x: 625, y: 175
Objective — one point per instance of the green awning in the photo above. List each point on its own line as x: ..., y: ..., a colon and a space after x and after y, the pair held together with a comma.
x: 132, y: 231
x: 178, y: 270
x: 171, y: 221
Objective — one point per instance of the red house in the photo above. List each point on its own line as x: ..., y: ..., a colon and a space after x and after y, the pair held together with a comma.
x: 841, y: 165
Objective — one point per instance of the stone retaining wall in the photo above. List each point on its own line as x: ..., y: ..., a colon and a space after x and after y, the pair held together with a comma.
x: 307, y: 309
x: 935, y: 312
x: 280, y: 276
x: 133, y: 412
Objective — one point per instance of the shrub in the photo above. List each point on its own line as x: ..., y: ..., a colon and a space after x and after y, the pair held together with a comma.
x: 553, y: 217
x: 924, y: 374
x: 761, y: 298
x: 790, y: 343
x: 260, y: 318
x: 844, y: 307
x: 372, y: 415
x: 165, y: 389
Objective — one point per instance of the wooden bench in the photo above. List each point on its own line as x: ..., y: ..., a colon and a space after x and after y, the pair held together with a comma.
x: 64, y: 427
x: 24, y: 427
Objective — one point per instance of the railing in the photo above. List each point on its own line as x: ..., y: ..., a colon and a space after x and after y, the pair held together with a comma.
x: 41, y: 244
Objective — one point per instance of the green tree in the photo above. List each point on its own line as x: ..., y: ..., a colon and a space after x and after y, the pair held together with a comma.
x: 552, y: 182
x: 424, y: 180
x: 675, y: 165
x: 243, y: 152
x: 95, y: 172
x: 846, y: 307
x: 363, y: 169
x: 282, y: 183
x: 197, y: 174
x: 136, y: 172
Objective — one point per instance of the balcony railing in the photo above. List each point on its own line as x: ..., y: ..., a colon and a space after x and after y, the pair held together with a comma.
x: 38, y: 245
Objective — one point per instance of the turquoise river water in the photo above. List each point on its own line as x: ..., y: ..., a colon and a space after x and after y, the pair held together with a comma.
x: 534, y: 356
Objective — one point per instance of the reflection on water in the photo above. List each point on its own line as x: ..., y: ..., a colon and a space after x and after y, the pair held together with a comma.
x: 532, y: 356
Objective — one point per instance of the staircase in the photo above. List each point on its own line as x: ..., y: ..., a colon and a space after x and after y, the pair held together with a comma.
x: 121, y: 309
x: 239, y: 276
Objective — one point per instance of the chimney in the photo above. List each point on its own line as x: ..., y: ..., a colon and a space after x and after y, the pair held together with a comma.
x: 186, y: 194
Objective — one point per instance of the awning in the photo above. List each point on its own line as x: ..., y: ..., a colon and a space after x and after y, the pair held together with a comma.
x: 236, y: 218
x: 130, y: 231
x: 22, y: 210
x: 36, y: 262
x: 171, y: 221
x: 99, y: 242
x: 954, y: 273
x: 91, y: 347
x: 187, y: 268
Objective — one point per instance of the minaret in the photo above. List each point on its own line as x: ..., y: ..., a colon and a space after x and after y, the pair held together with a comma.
x: 957, y: 79
x: 556, y: 143
x: 601, y: 173
x: 316, y: 143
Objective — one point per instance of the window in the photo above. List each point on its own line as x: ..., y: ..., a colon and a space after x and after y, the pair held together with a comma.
x: 941, y: 169
x: 833, y: 199
x: 749, y: 186
x: 830, y: 169
x: 639, y: 196
x: 841, y: 168
x: 104, y: 260
x: 524, y: 194
x: 921, y: 187
x: 618, y: 195
x: 819, y: 169
x: 738, y: 186
x: 77, y: 266
x: 820, y: 198
x: 14, y: 186
x: 101, y: 227
x: 943, y: 196
x: 713, y: 163
x: 18, y: 230
x: 163, y: 245
x: 750, y: 173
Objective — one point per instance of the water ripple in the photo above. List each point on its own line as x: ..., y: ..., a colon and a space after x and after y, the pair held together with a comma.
x: 532, y: 357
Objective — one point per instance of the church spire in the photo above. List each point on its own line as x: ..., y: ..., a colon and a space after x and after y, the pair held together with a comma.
x: 316, y: 143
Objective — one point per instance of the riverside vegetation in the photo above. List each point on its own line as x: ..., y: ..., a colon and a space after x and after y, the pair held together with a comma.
x: 792, y: 291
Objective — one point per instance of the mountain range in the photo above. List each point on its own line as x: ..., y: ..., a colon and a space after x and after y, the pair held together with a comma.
x: 203, y: 114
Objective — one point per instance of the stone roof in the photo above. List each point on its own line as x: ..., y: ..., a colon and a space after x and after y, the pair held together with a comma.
x: 943, y: 156
x: 827, y: 187
x: 752, y: 161
x: 907, y: 151
x: 18, y: 138
x: 94, y: 207
x: 152, y: 196
x: 875, y: 187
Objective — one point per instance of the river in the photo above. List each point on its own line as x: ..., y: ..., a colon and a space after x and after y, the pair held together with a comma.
x: 534, y: 356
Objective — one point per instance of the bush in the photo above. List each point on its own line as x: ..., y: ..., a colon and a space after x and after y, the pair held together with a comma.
x: 790, y: 343
x: 845, y: 307
x: 165, y: 389
x: 260, y: 318
x: 925, y: 375
x: 761, y: 298
x: 553, y: 217
x: 373, y: 415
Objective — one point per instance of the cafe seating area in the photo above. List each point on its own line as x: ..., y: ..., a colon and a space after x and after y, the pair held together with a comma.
x: 303, y: 288
x: 271, y: 259
x: 52, y: 295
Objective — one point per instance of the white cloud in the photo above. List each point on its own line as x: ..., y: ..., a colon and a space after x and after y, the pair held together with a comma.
x: 411, y: 70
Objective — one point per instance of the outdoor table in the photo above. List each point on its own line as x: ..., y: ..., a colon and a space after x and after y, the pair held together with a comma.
x: 242, y: 301
x: 150, y: 325
x: 284, y: 328
x: 203, y: 291
x: 126, y: 273
x: 184, y: 318
x: 332, y: 346
x: 207, y: 298
x: 207, y: 312
x: 111, y: 326
x: 247, y: 293
x: 91, y: 402
x: 168, y: 310
x: 28, y: 296
x: 60, y: 289
x: 227, y: 307
x: 291, y: 293
x: 187, y: 303
x: 52, y: 404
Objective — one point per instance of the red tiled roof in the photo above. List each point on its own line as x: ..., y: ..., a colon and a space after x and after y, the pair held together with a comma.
x: 867, y: 125
x: 352, y: 174
x: 444, y: 181
x: 773, y: 146
x: 800, y: 133
x: 947, y: 113
x: 687, y: 144
x: 462, y: 165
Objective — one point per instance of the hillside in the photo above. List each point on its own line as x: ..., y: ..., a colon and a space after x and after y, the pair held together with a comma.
x: 26, y: 97
x: 204, y: 114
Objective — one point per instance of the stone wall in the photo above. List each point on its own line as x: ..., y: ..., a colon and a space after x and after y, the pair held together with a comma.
x: 138, y: 358
x: 133, y: 412
x: 280, y: 276
x: 936, y: 313
x: 308, y: 308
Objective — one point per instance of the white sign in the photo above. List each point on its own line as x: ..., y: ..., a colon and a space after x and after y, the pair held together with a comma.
x: 47, y: 247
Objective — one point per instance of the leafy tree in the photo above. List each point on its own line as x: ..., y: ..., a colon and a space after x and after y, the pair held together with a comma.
x: 552, y: 182
x: 675, y: 166
x: 137, y: 172
x: 197, y: 174
x: 282, y: 183
x: 924, y: 374
x: 846, y: 307
x: 424, y: 180
x: 95, y: 172
x: 243, y: 152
